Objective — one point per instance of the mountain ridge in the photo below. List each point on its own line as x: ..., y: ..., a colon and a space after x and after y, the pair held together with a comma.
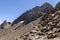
x: 33, y: 12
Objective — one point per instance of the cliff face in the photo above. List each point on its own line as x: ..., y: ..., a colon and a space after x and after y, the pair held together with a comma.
x: 33, y: 14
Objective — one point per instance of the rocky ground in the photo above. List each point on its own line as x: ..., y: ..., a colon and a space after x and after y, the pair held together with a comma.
x: 47, y: 29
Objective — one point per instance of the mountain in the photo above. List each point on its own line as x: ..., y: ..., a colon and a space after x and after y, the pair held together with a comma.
x: 33, y: 14
x: 58, y: 5
x: 46, y: 7
x: 43, y: 23
x: 5, y: 25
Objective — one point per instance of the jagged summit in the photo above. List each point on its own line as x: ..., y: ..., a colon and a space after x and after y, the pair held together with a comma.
x: 5, y: 24
x: 46, y: 4
x: 47, y: 7
x: 58, y: 5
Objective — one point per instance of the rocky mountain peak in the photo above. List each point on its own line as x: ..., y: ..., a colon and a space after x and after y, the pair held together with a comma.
x: 47, y: 7
x: 33, y: 14
x: 46, y: 4
x: 5, y: 24
x: 58, y: 5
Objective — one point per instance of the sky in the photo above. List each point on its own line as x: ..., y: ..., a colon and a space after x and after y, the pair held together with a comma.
x: 11, y: 9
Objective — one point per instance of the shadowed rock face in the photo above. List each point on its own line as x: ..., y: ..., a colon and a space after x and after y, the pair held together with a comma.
x: 33, y: 14
x: 58, y: 6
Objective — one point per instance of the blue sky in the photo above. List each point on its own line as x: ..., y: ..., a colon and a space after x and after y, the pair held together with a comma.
x: 11, y: 9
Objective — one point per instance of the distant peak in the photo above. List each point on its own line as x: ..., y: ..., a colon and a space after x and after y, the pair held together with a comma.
x: 5, y: 21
